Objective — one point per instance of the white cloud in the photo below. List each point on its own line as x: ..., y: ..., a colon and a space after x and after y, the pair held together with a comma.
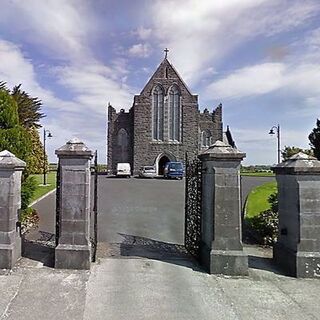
x: 200, y: 34
x: 58, y: 27
x: 83, y: 116
x: 253, y: 80
x: 143, y: 33
x: 141, y: 50
x: 265, y: 78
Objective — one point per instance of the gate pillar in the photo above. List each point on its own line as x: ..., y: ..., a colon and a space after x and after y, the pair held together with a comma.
x: 10, y: 203
x: 298, y: 247
x: 73, y: 249
x: 221, y: 250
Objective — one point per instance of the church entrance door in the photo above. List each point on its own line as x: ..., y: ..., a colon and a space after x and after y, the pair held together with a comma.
x: 162, y: 162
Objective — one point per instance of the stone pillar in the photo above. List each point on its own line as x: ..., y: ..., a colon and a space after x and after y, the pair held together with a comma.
x: 10, y: 203
x: 298, y: 247
x: 221, y: 245
x: 74, y: 248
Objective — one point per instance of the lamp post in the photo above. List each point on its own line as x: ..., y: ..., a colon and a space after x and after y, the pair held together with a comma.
x: 278, y: 138
x: 46, y: 134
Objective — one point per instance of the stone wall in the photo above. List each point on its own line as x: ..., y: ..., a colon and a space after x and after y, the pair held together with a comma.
x: 116, y: 122
x: 211, y: 122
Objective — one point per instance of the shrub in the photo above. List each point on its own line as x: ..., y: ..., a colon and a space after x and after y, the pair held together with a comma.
x: 28, y: 188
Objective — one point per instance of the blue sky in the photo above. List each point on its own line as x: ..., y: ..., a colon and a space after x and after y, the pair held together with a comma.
x: 259, y: 58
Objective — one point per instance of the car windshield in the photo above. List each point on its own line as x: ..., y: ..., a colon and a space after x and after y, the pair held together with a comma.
x: 176, y: 165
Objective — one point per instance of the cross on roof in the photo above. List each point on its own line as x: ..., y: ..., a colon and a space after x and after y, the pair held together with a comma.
x: 166, y: 52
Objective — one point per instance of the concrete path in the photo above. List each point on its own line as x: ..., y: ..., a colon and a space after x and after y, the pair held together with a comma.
x: 150, y: 289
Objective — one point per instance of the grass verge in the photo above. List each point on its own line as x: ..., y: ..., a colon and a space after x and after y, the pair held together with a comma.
x: 258, y: 174
x: 258, y: 199
x: 41, y: 189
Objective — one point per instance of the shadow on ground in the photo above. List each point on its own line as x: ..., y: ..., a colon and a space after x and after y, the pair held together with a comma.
x: 142, y: 247
x: 39, y: 246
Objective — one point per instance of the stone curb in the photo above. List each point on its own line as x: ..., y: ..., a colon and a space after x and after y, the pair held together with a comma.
x: 41, y: 198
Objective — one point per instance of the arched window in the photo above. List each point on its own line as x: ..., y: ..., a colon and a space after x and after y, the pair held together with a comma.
x: 157, y: 113
x: 122, y: 138
x: 174, y: 113
x: 206, y: 138
x: 123, y: 142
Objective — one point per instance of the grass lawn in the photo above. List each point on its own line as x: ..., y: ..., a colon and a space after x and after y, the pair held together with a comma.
x: 41, y: 190
x: 258, y: 174
x: 258, y: 199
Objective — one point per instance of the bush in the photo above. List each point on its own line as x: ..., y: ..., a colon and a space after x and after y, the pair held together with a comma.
x: 28, y: 188
x: 266, y: 224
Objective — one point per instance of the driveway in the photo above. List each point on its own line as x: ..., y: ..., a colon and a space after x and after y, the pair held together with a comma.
x: 140, y: 206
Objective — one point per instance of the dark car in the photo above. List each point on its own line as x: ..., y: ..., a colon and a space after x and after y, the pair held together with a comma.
x: 173, y: 170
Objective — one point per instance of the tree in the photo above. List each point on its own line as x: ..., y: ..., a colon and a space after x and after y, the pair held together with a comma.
x: 13, y: 136
x: 16, y: 139
x: 37, y: 160
x: 3, y: 86
x: 29, y: 117
x: 28, y: 108
x: 288, y: 152
x: 314, y: 138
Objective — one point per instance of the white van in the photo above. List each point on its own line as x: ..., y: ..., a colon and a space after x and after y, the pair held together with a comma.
x: 123, y: 169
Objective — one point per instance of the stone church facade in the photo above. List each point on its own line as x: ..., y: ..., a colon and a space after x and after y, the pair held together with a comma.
x: 163, y: 124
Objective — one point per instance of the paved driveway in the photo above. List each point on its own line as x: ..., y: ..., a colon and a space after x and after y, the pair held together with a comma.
x: 140, y: 206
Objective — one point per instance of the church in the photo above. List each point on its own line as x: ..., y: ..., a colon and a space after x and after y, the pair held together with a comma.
x: 163, y: 124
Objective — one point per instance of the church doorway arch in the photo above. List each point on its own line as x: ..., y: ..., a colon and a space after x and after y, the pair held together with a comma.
x: 161, y: 161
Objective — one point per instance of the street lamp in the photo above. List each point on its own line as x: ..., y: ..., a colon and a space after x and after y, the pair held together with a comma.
x: 278, y: 138
x: 46, y: 134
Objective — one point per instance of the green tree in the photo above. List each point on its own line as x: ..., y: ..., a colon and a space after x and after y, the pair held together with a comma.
x: 37, y: 159
x: 314, y: 138
x: 16, y: 139
x: 28, y: 108
x: 288, y: 152
x: 13, y: 136
x: 29, y: 117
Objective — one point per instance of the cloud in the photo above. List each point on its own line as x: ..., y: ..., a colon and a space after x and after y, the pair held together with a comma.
x: 201, y: 34
x: 84, y: 114
x: 141, y: 50
x: 266, y: 78
x: 143, y: 33
x: 249, y: 81
x: 57, y: 27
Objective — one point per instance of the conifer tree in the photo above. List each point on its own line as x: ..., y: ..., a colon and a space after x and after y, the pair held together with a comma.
x: 28, y: 108
x: 13, y: 137
x: 314, y: 138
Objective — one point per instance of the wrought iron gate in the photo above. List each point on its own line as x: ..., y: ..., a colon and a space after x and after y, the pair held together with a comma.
x: 193, y: 198
x: 58, y: 204
x: 94, y: 237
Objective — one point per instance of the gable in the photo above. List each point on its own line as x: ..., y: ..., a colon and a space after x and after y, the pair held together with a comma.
x: 165, y: 75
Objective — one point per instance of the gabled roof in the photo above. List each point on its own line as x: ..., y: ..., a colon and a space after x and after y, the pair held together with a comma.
x: 159, y: 75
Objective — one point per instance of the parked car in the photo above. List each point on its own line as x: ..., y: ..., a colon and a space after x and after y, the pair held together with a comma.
x: 147, y: 172
x: 124, y: 170
x: 173, y: 170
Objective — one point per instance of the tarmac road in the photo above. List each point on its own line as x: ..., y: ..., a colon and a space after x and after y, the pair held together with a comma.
x: 142, y: 204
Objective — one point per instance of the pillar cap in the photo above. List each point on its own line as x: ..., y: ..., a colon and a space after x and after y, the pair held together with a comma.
x: 299, y: 163
x: 74, y: 148
x: 221, y: 151
x: 9, y: 161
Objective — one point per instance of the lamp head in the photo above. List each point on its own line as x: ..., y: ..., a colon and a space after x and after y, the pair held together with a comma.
x: 49, y: 135
x: 271, y: 131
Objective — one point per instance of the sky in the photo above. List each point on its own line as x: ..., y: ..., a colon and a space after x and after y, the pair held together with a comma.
x: 259, y: 58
